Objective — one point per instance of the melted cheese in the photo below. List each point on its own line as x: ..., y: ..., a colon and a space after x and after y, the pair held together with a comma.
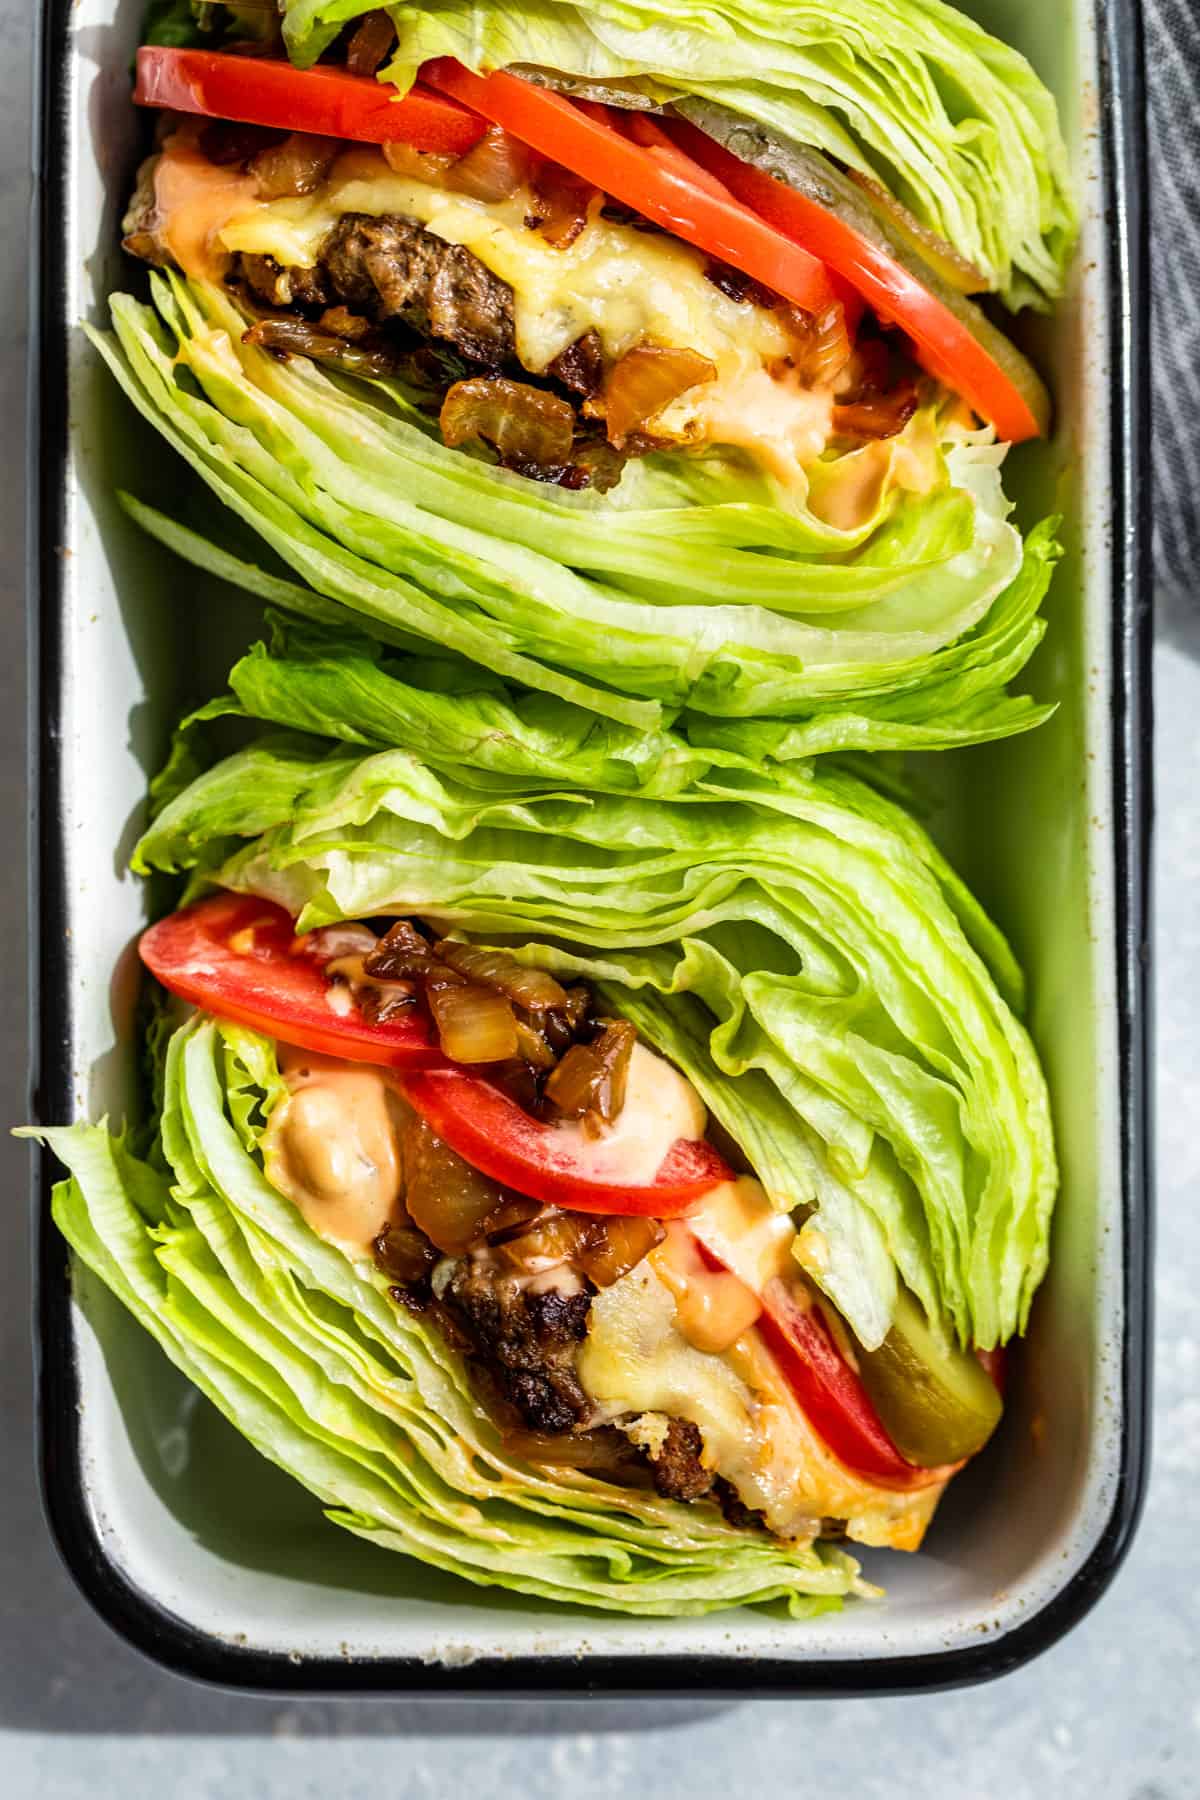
x: 738, y: 1224
x: 637, y: 1360
x: 626, y: 285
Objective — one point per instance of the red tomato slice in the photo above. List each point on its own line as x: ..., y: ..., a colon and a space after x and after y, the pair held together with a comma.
x: 647, y: 132
x: 499, y: 1138
x: 330, y: 102
x: 831, y: 1394
x: 589, y: 146
x: 235, y: 956
x: 943, y: 342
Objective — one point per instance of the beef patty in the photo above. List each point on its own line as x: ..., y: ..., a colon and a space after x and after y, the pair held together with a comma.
x: 392, y: 270
x: 528, y: 1339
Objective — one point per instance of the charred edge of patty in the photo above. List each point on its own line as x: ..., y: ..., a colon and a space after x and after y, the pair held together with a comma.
x: 679, y: 1472
x: 677, y: 1462
x: 391, y: 271
x: 528, y: 1339
x: 734, y: 1508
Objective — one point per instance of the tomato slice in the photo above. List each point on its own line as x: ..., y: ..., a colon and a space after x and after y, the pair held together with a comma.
x: 943, y: 341
x: 497, y: 1137
x: 257, y: 90
x: 662, y: 191
x: 236, y: 956
x: 647, y: 132
x: 831, y: 1394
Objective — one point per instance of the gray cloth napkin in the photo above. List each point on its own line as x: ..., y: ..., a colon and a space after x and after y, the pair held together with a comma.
x: 1173, y: 80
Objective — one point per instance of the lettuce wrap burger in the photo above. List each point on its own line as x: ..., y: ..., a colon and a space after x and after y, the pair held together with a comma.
x: 645, y: 355
x: 591, y: 1166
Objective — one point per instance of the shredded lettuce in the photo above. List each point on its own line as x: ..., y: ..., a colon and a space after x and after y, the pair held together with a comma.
x: 791, y: 938
x: 909, y: 92
x: 301, y: 1348
x: 902, y: 632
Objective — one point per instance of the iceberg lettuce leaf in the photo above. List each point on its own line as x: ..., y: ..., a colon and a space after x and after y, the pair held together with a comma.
x: 900, y: 633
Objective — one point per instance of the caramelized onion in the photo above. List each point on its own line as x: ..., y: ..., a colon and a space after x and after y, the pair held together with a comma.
x: 603, y: 1250
x: 602, y: 1452
x: 561, y: 202
x: 474, y: 1024
x: 231, y: 145
x: 876, y: 415
x: 381, y: 1001
x: 742, y: 289
x: 420, y: 165
x: 446, y: 1198
x: 511, y: 1218
x: 492, y: 169
x: 580, y: 366
x: 475, y: 994
x: 533, y: 1048
x: 534, y: 989
x: 646, y: 379
x: 372, y: 40
x: 395, y: 948
x: 404, y: 1253
x: 561, y: 1027
x: 521, y: 423
x: 551, y: 1239
x: 296, y: 337
x: 616, y: 1245
x: 296, y: 166
x: 519, y: 1083
x: 823, y: 346
x: 589, y: 1082
x: 870, y: 366
x: 402, y: 954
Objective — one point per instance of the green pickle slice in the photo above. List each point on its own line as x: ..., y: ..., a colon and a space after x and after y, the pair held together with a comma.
x: 871, y: 211
x: 938, y: 1403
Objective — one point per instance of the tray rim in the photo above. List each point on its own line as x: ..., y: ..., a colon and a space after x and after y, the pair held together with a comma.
x: 171, y: 1640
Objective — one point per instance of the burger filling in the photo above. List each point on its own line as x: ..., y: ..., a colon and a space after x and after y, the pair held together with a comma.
x: 607, y: 1344
x: 538, y: 318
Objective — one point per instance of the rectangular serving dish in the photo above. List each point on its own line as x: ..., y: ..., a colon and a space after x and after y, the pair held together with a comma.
x: 205, y: 1556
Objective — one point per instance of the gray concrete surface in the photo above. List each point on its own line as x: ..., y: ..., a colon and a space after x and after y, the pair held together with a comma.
x: 1114, y: 1711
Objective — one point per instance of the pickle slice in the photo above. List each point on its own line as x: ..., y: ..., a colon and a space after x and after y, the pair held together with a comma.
x: 937, y: 1402
x: 876, y: 220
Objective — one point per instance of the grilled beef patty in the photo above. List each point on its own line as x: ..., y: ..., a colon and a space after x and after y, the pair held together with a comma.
x: 391, y: 270
x: 527, y: 1338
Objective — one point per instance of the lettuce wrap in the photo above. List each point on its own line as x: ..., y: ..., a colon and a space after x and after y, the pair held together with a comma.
x: 793, y: 941
x: 794, y: 945
x: 308, y: 1357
